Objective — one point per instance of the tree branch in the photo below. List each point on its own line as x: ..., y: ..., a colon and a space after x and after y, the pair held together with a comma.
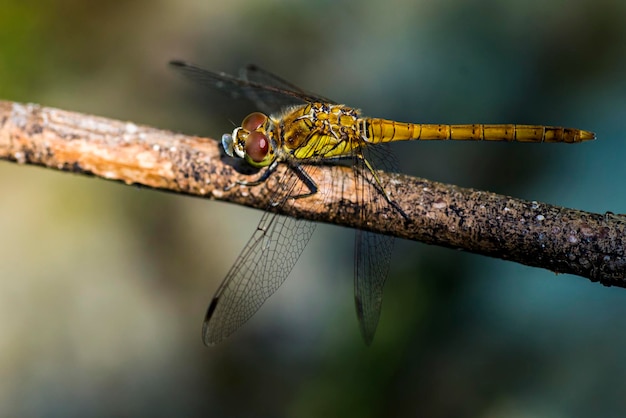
x: 536, y: 234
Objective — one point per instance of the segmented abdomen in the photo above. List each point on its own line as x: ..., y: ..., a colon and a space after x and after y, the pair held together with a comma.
x: 381, y: 130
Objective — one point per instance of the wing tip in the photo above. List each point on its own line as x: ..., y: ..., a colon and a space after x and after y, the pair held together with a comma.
x: 367, y: 330
x: 208, y: 336
x: 178, y: 63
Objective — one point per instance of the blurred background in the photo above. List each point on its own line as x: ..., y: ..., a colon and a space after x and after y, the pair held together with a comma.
x: 103, y: 287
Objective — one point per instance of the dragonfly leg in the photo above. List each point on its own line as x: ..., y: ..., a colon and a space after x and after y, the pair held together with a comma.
x: 306, y: 179
x: 300, y: 172
x: 389, y: 200
x: 262, y: 178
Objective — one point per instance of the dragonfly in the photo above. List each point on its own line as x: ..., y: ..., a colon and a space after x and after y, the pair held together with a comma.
x: 304, y: 130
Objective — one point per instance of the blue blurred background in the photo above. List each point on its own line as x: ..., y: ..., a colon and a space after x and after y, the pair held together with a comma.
x: 103, y: 287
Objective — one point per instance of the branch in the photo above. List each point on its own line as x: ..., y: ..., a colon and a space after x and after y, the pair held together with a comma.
x: 536, y: 234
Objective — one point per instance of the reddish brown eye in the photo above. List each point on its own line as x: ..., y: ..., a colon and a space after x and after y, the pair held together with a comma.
x: 257, y: 146
x: 253, y: 121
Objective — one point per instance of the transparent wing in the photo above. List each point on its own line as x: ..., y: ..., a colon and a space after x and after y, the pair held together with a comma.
x: 263, y: 265
x: 372, y: 260
x: 372, y: 252
x: 269, y: 102
x: 260, y: 269
x: 266, y: 90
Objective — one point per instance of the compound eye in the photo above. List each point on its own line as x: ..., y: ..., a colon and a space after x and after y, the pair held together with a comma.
x: 253, y: 121
x: 257, y: 146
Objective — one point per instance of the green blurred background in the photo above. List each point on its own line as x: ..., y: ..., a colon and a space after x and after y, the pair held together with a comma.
x: 103, y: 287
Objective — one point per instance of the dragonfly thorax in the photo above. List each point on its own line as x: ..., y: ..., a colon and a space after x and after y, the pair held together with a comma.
x: 320, y: 131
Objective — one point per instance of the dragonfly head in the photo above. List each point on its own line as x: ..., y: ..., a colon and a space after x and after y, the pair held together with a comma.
x: 253, y: 140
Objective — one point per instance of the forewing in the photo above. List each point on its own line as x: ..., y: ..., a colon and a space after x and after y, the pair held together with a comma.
x: 260, y: 269
x: 270, y: 92
x: 372, y: 256
x: 269, y: 102
x: 263, y: 265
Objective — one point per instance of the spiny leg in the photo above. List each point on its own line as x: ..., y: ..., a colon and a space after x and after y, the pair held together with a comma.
x: 296, y: 168
x: 389, y: 200
x: 304, y: 178
x: 262, y: 178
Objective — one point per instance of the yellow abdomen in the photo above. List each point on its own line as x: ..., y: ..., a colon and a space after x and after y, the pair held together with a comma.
x: 381, y: 130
